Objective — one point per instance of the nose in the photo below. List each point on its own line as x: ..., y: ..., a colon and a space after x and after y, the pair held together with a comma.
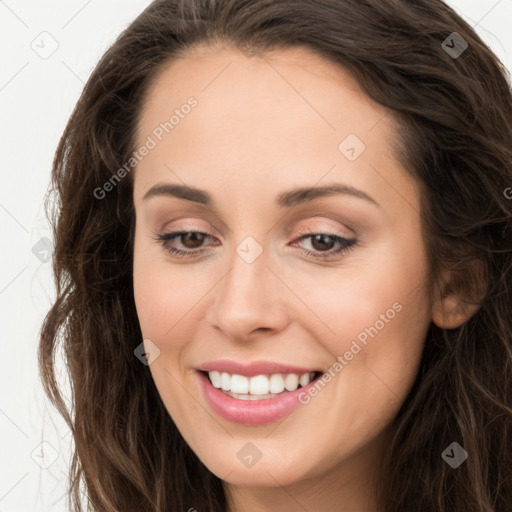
x: 248, y: 300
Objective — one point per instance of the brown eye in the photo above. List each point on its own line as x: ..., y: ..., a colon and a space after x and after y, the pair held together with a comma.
x: 322, y: 242
x: 192, y: 239
x: 323, y: 245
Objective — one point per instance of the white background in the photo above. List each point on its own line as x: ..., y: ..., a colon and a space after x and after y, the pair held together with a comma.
x: 37, y: 96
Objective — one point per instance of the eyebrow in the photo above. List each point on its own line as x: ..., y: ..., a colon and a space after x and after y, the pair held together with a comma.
x: 284, y: 200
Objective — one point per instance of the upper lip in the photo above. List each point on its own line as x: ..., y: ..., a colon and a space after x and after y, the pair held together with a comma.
x: 252, y: 369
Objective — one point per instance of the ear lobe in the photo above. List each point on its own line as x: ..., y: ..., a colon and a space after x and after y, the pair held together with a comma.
x: 450, y: 312
x: 458, y: 296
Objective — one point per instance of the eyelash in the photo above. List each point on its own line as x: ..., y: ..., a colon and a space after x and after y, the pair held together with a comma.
x: 347, y: 244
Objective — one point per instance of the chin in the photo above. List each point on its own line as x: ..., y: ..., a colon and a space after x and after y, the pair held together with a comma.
x: 272, y: 470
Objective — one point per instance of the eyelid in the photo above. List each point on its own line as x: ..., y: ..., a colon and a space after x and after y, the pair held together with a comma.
x: 186, y: 227
x: 291, y: 231
x: 325, y: 229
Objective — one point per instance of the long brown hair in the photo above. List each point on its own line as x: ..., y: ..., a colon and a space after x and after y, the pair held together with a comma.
x: 455, y: 138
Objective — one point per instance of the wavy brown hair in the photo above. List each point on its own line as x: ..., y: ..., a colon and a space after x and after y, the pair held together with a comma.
x: 454, y: 138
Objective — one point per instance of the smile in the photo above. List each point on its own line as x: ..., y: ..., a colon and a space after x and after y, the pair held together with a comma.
x: 257, y: 399
x: 259, y: 386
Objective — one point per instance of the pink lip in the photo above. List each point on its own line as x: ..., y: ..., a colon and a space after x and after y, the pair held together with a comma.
x: 251, y: 412
x: 252, y: 369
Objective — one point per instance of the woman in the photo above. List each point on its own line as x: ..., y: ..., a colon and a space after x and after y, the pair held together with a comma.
x: 283, y: 259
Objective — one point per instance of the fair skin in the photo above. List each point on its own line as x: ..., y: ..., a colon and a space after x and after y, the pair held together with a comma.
x: 263, y: 126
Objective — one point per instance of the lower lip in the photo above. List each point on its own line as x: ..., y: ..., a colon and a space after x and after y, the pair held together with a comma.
x: 251, y: 412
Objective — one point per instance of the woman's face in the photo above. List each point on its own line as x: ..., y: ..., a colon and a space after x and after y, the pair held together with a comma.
x: 258, y: 285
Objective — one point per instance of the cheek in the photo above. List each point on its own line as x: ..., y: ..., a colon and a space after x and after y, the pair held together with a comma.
x: 380, y: 318
x: 164, y: 301
x: 378, y: 313
x: 386, y: 291
x: 164, y: 298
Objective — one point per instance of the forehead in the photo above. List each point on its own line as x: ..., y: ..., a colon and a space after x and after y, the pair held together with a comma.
x: 290, y: 82
x: 277, y: 119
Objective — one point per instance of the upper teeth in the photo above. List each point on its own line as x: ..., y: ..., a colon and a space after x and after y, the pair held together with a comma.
x: 260, y: 384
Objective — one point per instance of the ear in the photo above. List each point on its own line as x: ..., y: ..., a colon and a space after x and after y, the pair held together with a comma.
x: 458, y: 295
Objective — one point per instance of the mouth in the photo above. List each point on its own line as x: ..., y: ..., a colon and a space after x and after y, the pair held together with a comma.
x: 258, y: 399
x: 259, y: 387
